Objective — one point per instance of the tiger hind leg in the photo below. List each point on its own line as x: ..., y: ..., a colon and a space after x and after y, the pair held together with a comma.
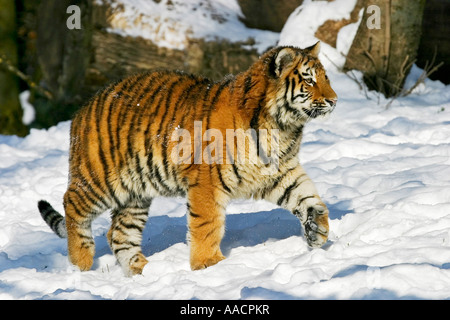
x: 125, y: 237
x: 79, y: 215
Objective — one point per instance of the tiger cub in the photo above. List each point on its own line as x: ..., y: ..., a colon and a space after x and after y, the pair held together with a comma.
x: 162, y: 134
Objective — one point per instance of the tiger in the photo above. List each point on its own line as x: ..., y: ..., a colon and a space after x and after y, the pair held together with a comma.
x: 122, y: 149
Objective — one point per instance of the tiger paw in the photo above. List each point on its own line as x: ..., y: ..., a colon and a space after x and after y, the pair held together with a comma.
x: 83, y: 258
x: 199, y: 263
x: 137, y: 264
x: 316, y: 225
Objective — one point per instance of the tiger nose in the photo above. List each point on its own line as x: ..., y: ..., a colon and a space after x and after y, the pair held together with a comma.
x: 332, y: 101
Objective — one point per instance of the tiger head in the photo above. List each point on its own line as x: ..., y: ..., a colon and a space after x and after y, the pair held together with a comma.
x: 302, y: 88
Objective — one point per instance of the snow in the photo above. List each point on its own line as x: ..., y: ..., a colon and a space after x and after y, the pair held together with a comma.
x: 29, y: 113
x: 172, y: 23
x: 383, y: 172
x: 304, y: 21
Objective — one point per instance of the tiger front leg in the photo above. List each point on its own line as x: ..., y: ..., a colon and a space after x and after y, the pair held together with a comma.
x: 296, y: 192
x: 206, y: 223
x: 313, y: 215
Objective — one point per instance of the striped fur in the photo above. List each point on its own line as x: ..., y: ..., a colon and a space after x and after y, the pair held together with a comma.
x: 121, y: 154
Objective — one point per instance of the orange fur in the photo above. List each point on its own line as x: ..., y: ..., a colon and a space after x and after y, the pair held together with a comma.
x: 122, y: 142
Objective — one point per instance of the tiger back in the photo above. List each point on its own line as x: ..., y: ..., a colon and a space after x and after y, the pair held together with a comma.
x: 168, y: 133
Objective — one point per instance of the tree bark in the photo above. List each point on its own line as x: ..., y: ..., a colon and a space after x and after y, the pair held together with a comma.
x: 386, y: 54
x: 267, y: 14
x: 435, y: 42
x: 10, y: 108
x: 63, y: 57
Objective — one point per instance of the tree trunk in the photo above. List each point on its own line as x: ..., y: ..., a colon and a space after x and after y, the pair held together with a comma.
x: 267, y: 14
x: 63, y: 56
x: 435, y: 41
x: 386, y: 52
x: 10, y: 108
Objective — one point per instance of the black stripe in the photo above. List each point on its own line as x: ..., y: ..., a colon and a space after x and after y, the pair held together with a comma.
x: 167, y: 105
x: 139, y: 171
x: 224, y: 185
x: 278, y: 120
x: 87, y: 242
x: 135, y: 258
x: 132, y: 225
x: 286, y: 88
x: 168, y: 98
x: 92, y: 178
x: 233, y: 163
x: 112, y: 149
x: 236, y: 173
x: 151, y: 102
x: 122, y: 118
x: 194, y: 215
x: 161, y: 181
x: 100, y: 198
x: 293, y: 89
x: 181, y: 98
x: 102, y: 155
x: 89, y: 193
x: 154, y: 101
x: 287, y: 193
x: 127, y: 243
x: 117, y: 89
x: 150, y: 168
x: 269, y: 189
x: 133, y: 126
x: 295, y: 141
x: 301, y: 95
x: 86, y: 207
x: 205, y: 224
x: 225, y: 83
x: 210, y: 233
x: 248, y: 84
x: 127, y: 246
x: 77, y: 211
x: 54, y: 219
x: 288, y: 108
x: 203, y: 86
x: 303, y: 199
x: 133, y: 154
x: 254, y: 124
x: 309, y: 113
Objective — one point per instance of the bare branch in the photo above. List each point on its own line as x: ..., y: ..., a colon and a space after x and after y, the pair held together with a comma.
x: 429, y: 69
x: 11, y: 68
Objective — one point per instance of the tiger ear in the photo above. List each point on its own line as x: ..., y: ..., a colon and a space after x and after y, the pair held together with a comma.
x: 283, y: 60
x: 313, y: 50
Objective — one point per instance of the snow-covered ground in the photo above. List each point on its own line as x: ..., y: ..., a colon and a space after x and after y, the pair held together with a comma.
x: 171, y: 23
x: 384, y: 173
